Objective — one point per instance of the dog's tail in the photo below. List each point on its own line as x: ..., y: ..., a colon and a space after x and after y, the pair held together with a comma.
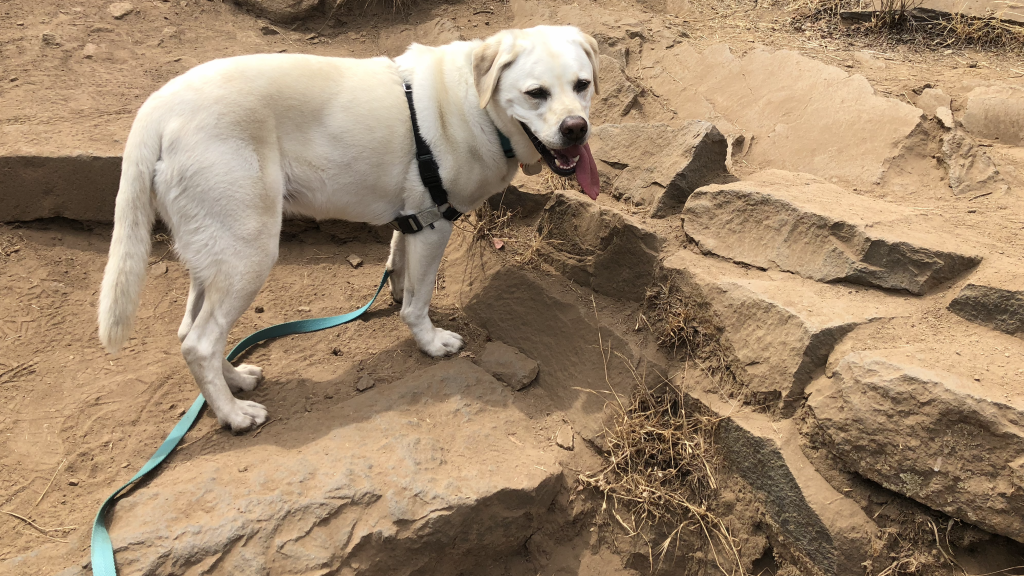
x: 134, y: 213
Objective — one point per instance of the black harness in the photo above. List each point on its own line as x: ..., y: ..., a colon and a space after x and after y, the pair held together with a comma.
x: 430, y: 174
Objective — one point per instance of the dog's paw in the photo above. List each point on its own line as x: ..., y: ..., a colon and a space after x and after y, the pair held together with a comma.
x: 244, y: 378
x: 443, y: 343
x: 245, y: 416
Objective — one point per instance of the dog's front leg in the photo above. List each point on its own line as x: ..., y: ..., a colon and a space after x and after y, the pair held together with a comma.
x: 396, y: 264
x: 423, y: 253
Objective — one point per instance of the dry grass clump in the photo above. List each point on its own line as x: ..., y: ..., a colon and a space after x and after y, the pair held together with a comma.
x: 552, y: 182
x: 490, y: 224
x: 661, y: 473
x: 904, y: 21
x: 684, y: 322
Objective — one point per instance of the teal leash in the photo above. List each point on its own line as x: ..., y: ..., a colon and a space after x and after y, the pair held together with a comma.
x: 102, y: 547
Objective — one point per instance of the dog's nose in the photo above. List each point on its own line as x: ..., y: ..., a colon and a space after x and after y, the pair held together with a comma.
x: 574, y: 128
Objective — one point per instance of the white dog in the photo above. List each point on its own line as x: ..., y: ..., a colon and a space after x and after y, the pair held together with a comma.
x: 223, y: 151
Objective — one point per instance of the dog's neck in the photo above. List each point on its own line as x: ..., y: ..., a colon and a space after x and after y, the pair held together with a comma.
x: 463, y: 137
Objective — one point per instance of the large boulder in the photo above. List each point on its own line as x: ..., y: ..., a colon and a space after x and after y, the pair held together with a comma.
x: 802, y: 224
x: 598, y: 247
x: 825, y: 533
x: 417, y: 477
x: 803, y: 115
x: 618, y: 93
x: 996, y: 113
x: 658, y: 166
x: 780, y: 328
x: 952, y: 443
x: 994, y: 297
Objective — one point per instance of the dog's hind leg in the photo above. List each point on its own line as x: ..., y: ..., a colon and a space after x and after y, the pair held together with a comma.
x: 397, y: 264
x: 423, y: 252
x: 229, y: 291
x: 245, y: 377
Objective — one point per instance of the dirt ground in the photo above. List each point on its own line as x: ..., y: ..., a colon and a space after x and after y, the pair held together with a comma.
x: 75, y: 422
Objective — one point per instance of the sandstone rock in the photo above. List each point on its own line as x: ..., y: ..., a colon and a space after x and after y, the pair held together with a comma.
x: 801, y: 224
x: 994, y: 297
x: 931, y: 99
x: 50, y: 39
x: 364, y: 383
x: 977, y: 8
x: 658, y: 166
x: 968, y: 165
x: 780, y: 327
x: 89, y: 51
x: 996, y: 113
x: 564, y: 438
x: 418, y: 478
x: 943, y: 440
x: 120, y: 9
x: 520, y: 200
x: 508, y: 365
x: 354, y: 261
x: 789, y: 104
x: 598, y: 247
x: 945, y: 116
x: 281, y: 10
x: 78, y: 187
x: 549, y: 323
x: 826, y: 532
x: 618, y: 93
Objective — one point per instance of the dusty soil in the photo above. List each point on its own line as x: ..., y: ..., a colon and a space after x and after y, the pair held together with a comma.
x: 75, y: 422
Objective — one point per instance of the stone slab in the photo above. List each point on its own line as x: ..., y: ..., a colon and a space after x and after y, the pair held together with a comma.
x: 417, y: 477
x: 802, y: 224
x: 598, y: 247
x: 656, y: 165
x: 994, y: 296
x: 996, y: 113
x: 81, y: 187
x: 827, y: 533
x: 780, y: 327
x: 949, y: 442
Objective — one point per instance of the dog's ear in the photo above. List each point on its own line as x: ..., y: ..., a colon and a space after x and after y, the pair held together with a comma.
x: 490, y: 59
x: 590, y: 49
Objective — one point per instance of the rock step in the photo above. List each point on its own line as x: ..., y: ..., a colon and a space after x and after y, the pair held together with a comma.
x: 656, y: 165
x: 598, y: 247
x: 824, y: 532
x: 780, y: 327
x: 802, y: 224
x: 417, y: 477
x: 952, y: 443
x: 994, y: 296
x: 81, y: 187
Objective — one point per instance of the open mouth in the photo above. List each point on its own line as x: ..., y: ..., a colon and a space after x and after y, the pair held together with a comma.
x: 566, y: 162
x: 559, y: 162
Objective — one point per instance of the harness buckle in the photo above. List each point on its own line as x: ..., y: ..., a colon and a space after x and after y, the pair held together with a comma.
x: 409, y: 224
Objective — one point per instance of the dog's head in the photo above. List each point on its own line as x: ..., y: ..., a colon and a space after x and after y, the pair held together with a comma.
x: 544, y: 78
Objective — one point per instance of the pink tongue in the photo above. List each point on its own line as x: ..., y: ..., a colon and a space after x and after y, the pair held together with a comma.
x: 586, y: 169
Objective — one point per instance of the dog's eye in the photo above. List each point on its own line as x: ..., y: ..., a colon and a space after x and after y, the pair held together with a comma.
x: 581, y: 85
x: 538, y: 93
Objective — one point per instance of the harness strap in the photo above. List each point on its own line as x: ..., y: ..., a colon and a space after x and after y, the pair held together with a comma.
x: 430, y: 174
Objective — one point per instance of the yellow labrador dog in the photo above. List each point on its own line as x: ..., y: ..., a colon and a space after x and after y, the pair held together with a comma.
x: 223, y: 151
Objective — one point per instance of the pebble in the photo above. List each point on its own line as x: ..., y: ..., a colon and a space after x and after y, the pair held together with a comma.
x: 125, y: 465
x: 269, y: 30
x: 14, y: 78
x: 337, y: 351
x: 259, y: 310
x: 120, y: 9
x: 51, y: 39
x: 565, y: 438
x: 365, y: 383
x: 354, y: 260
x: 243, y: 468
x: 88, y: 53
x: 74, y: 482
x: 303, y: 308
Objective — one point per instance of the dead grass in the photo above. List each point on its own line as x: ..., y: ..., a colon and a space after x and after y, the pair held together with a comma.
x: 551, y: 182
x: 903, y: 22
x: 661, y: 473
x: 683, y: 321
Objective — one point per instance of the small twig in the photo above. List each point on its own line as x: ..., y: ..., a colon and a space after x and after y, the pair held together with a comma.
x: 42, y: 530
x: 264, y: 425
x: 51, y: 482
x: 980, y: 196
